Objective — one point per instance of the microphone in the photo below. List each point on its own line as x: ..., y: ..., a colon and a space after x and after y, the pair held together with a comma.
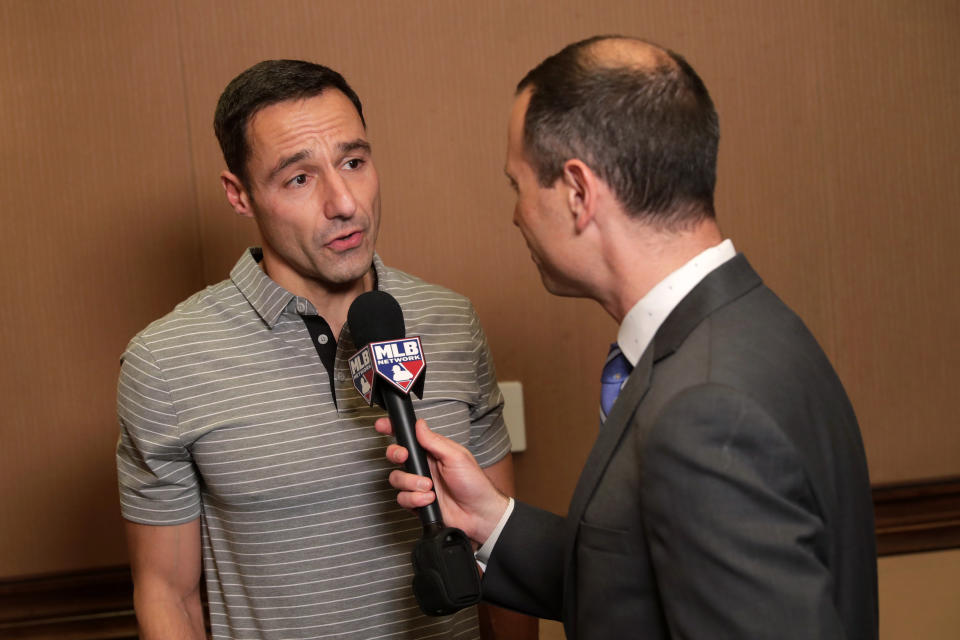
x: 376, y: 316
x: 385, y: 369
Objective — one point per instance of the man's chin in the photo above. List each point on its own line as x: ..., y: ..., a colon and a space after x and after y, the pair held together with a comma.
x: 346, y: 273
x: 549, y: 283
x: 558, y: 286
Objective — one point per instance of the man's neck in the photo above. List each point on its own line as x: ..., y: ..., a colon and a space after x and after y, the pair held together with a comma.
x: 334, y: 305
x: 639, y: 263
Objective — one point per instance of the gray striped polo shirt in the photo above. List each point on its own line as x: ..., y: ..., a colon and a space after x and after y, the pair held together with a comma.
x: 226, y: 414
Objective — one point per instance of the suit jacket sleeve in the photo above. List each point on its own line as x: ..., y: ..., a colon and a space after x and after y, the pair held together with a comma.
x: 736, y: 539
x: 525, y: 572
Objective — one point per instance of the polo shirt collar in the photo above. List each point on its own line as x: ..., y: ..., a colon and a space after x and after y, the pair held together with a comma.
x: 267, y: 297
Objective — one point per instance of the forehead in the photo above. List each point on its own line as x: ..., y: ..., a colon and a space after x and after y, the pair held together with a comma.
x: 322, y: 120
x: 515, y: 126
x: 517, y: 114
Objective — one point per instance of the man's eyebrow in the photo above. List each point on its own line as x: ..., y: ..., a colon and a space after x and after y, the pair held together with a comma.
x: 303, y: 154
x: 343, y: 147
x: 354, y: 145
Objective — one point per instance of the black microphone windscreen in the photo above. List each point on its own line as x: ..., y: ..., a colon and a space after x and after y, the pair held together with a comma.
x: 375, y: 316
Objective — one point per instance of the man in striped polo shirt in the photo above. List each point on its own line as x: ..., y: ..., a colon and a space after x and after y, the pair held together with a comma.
x: 245, y: 454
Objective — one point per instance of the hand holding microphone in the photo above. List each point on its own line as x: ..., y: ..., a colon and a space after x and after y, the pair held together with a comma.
x: 470, y: 501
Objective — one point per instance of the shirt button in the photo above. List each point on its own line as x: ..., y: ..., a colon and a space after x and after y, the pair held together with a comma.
x: 323, y: 339
x: 301, y: 307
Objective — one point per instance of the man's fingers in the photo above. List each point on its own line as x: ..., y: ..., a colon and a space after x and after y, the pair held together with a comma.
x: 434, y: 444
x: 408, y: 482
x: 397, y: 454
x: 415, y: 500
x: 414, y: 490
x: 439, y: 447
x: 383, y: 426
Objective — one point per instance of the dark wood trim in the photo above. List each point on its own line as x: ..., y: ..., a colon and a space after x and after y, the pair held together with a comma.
x: 98, y: 604
x: 80, y: 605
x: 917, y: 516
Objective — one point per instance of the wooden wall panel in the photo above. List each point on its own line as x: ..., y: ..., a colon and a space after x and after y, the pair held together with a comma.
x: 99, y: 238
x: 837, y: 178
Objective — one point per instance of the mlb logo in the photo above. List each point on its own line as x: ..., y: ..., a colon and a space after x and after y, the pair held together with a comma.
x: 362, y: 372
x: 399, y: 362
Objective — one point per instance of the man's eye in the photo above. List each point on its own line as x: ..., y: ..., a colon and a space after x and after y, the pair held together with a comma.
x: 299, y: 180
x: 353, y: 163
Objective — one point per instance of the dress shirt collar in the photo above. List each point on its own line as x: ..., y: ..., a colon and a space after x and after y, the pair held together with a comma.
x: 642, y: 321
x: 267, y: 297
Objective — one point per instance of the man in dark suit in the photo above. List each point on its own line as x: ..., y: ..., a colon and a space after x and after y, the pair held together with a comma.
x: 727, y: 493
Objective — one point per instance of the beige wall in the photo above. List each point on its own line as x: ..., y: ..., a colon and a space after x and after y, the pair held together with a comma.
x: 838, y: 178
x: 919, y: 596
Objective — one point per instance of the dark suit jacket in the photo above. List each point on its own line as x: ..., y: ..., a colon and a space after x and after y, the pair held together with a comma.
x: 726, y: 495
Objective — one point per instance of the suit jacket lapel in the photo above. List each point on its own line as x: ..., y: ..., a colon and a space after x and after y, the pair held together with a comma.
x: 723, y: 285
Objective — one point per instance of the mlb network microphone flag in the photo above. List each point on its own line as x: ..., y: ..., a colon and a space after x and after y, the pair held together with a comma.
x: 399, y: 362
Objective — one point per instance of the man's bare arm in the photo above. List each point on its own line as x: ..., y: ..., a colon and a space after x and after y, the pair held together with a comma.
x: 166, y: 566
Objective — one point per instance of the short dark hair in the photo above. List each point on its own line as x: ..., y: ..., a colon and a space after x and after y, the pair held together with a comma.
x: 262, y: 85
x: 651, y: 133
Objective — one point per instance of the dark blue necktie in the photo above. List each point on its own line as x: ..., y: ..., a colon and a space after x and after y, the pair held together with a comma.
x: 616, y: 370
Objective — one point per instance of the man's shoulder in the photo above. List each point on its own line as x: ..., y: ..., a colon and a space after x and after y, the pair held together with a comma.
x: 422, y: 300
x: 213, y: 307
x: 758, y: 346
x: 398, y: 282
x: 761, y: 320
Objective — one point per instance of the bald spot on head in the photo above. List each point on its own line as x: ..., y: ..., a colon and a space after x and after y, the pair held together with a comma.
x: 619, y: 52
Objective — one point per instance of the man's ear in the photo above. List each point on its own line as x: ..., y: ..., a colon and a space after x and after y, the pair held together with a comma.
x: 582, y: 186
x: 237, y: 194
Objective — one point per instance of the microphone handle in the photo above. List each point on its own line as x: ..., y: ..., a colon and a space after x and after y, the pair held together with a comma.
x: 400, y: 409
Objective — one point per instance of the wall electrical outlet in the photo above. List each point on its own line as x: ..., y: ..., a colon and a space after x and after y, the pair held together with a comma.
x: 513, y: 414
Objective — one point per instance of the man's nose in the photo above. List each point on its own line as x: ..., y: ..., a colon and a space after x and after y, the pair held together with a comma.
x: 338, y: 199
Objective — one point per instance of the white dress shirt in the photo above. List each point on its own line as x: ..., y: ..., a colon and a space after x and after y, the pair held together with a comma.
x: 642, y: 321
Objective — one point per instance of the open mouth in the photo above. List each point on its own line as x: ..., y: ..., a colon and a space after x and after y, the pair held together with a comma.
x: 345, y: 242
